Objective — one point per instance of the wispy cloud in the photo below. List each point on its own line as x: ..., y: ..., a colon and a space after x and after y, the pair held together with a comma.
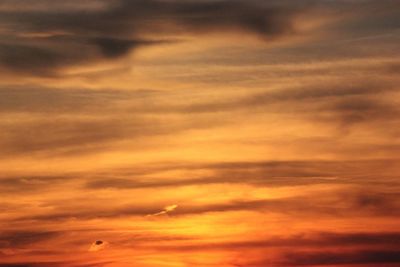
x: 165, y: 211
x: 192, y: 132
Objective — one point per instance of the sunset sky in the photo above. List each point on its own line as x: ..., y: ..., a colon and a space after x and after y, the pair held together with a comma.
x: 199, y: 133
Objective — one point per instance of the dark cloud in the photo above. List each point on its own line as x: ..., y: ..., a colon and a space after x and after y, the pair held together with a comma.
x: 72, y: 101
x: 85, y: 213
x: 31, y: 183
x: 76, y: 36
x: 379, y: 203
x: 356, y: 102
x: 393, y: 68
x: 53, y: 135
x: 18, y: 239
x: 44, y: 56
x: 341, y: 105
x: 35, y: 264
x: 64, y: 135
x: 94, y: 119
x: 332, y: 205
x: 31, y: 58
x: 329, y: 205
x: 345, y: 106
x: 132, y: 16
x: 65, y: 101
x: 387, y: 240
x: 381, y: 173
x: 51, y: 36
x: 378, y: 256
x: 114, y: 47
x: 360, y: 109
x: 370, y: 189
x: 247, y: 177
x: 55, y: 264
x: 358, y: 96
x: 348, y: 103
x: 272, y: 174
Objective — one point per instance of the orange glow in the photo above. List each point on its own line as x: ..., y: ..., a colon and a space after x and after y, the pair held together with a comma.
x: 199, y: 133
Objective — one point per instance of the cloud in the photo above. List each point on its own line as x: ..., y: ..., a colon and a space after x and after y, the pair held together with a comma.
x: 290, y: 79
x: 33, y: 264
x: 113, y: 48
x: 323, y: 205
x: 98, y: 246
x: 72, y: 135
x: 46, y: 37
x: 83, y: 121
x: 347, y: 104
x: 342, y: 258
x: 259, y: 173
x: 310, y: 240
x: 78, y: 36
x: 91, y: 125
x: 42, y: 100
x: 30, y: 183
x: 21, y: 239
x: 54, y: 264
x: 167, y: 210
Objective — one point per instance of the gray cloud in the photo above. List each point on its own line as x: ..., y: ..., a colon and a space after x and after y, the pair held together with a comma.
x: 80, y: 36
x: 30, y: 183
x: 18, y: 239
x: 271, y: 174
x: 46, y: 37
x: 54, y: 264
x: 348, y: 104
x: 377, y: 256
x: 274, y: 174
x: 74, y: 134
x: 344, y: 106
x: 388, y: 240
x: 332, y: 205
x: 41, y: 100
x: 63, y: 135
x: 32, y: 264
x: 113, y: 48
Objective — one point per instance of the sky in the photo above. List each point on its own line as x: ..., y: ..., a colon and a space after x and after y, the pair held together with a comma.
x: 199, y: 133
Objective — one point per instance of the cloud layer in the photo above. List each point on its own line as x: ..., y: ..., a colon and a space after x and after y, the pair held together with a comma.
x: 194, y: 132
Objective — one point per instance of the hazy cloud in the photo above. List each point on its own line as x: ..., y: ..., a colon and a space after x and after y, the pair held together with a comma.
x: 272, y: 124
x: 17, y: 239
x: 273, y: 173
x: 343, y: 258
x: 388, y: 240
x: 72, y: 36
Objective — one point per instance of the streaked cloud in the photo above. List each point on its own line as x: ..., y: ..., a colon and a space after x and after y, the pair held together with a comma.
x: 165, y: 211
x: 192, y: 132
